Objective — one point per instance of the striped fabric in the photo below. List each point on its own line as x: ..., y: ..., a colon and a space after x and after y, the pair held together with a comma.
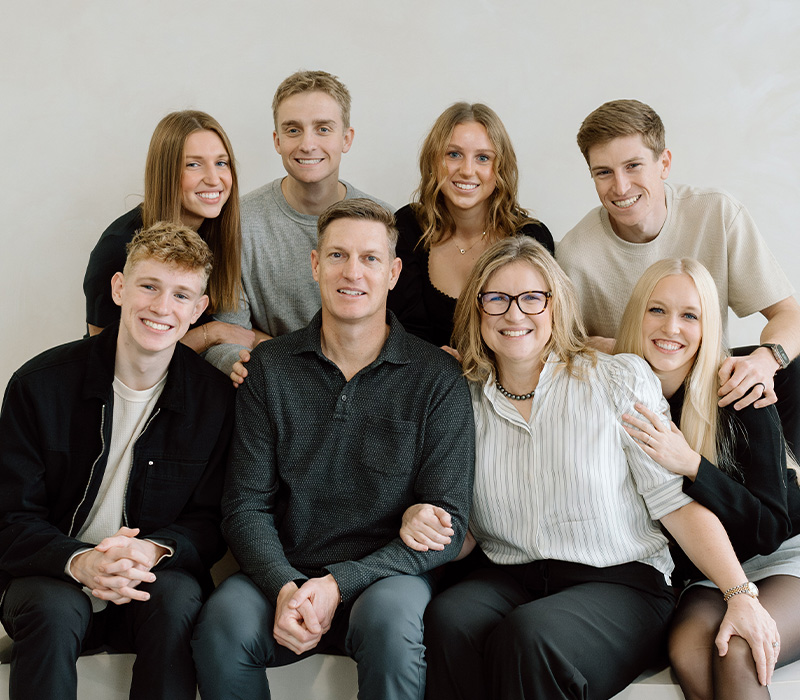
x: 571, y: 484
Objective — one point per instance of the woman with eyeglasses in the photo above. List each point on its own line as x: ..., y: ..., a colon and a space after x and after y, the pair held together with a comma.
x: 575, y: 600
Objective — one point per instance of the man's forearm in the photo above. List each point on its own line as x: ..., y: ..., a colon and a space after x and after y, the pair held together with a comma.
x: 783, y: 326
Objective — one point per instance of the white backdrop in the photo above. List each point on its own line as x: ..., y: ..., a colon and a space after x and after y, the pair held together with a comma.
x: 84, y: 82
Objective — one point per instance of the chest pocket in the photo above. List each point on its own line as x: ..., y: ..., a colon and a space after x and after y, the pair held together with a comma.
x: 389, y: 446
x: 168, y: 486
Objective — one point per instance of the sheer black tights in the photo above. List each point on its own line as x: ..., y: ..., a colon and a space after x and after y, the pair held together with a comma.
x: 702, y: 673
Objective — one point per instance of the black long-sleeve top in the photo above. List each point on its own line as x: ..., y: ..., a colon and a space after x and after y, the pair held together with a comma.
x: 760, y: 504
x: 422, y: 309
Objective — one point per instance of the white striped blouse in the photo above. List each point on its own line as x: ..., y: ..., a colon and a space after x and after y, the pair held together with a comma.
x: 571, y: 484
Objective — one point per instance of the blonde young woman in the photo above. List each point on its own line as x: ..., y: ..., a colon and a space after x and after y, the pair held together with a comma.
x: 466, y: 200
x: 190, y: 178
x: 575, y: 601
x: 733, y: 462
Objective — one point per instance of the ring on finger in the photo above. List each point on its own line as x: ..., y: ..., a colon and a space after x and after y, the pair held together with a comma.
x: 775, y: 645
x: 649, y: 439
x: 763, y: 388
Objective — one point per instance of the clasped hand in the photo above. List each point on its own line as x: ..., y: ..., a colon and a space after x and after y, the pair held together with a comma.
x: 304, y: 614
x: 116, y: 566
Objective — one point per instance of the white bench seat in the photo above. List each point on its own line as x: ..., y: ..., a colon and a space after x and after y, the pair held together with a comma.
x: 108, y: 677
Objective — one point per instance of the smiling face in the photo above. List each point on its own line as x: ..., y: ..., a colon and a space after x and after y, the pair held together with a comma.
x: 468, y: 172
x: 671, y: 328
x: 355, y: 271
x: 311, y: 137
x: 159, y: 302
x: 630, y: 183
x: 206, y: 178
x: 516, y: 338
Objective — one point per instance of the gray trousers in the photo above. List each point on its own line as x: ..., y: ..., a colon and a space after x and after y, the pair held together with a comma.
x: 381, y: 629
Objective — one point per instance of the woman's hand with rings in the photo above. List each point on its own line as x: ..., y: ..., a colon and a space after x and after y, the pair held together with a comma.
x: 663, y: 443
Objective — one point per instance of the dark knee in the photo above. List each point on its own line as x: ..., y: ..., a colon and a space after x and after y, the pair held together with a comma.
x: 737, y: 665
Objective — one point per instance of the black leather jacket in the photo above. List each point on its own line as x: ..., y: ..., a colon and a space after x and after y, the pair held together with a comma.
x: 55, y: 431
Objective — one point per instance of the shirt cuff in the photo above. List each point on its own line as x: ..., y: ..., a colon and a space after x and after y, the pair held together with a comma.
x: 170, y: 550
x: 68, y: 567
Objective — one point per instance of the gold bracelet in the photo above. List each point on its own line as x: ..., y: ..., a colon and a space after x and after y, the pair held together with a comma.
x: 746, y: 588
x: 205, y: 337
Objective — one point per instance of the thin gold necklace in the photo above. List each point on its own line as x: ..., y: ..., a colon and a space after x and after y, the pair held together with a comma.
x: 464, y: 251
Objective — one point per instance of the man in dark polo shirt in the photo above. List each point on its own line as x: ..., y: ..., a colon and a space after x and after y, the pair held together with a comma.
x: 340, y: 427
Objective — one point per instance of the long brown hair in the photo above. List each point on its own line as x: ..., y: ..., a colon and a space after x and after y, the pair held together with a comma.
x: 162, y: 201
x: 505, y: 215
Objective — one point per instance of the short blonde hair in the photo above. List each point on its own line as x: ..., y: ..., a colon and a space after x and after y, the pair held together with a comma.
x: 173, y: 244
x: 362, y: 209
x: 568, y: 339
x: 313, y: 81
x: 622, y: 118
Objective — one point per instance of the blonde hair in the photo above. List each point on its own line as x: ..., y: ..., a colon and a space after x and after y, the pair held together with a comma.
x: 700, y: 416
x: 568, y: 338
x: 708, y: 430
x: 162, y: 200
x: 362, y: 209
x: 170, y: 243
x: 622, y: 118
x: 505, y: 215
x: 313, y: 81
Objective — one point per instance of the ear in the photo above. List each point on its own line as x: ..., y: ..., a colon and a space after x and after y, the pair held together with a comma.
x: 276, y: 141
x: 315, y: 265
x: 397, y: 266
x: 117, y: 284
x: 349, y: 135
x: 666, y: 163
x: 200, y: 305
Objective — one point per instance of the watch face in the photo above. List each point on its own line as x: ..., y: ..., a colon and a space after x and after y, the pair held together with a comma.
x: 752, y: 589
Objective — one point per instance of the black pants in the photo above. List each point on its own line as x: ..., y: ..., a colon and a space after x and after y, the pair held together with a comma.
x: 546, y: 630
x: 787, y: 388
x: 52, y: 623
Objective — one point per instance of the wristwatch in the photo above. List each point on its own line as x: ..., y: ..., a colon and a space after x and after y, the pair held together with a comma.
x: 748, y: 588
x: 778, y: 353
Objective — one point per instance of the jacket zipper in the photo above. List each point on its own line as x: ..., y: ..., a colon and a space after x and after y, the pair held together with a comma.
x: 94, y: 464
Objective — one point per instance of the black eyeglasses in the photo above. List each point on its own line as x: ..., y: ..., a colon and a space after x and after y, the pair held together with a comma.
x: 498, y: 303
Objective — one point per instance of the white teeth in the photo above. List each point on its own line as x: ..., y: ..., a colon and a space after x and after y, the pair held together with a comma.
x: 209, y: 195
x: 350, y: 292
x: 667, y: 345
x: 156, y: 326
x: 625, y: 203
x: 514, y: 334
x: 464, y: 186
x: 309, y: 161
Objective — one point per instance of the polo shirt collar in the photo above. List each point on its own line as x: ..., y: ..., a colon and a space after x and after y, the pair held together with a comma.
x: 395, y: 349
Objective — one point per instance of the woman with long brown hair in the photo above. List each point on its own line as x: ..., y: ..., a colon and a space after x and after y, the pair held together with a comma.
x: 190, y: 178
